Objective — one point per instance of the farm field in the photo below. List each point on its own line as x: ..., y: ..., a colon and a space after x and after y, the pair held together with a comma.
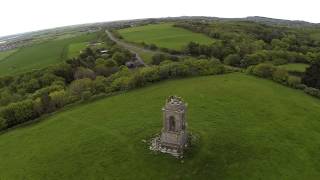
x: 248, y: 128
x: 5, y: 54
x: 75, y: 48
x: 40, y: 55
x: 163, y: 35
x: 299, y: 67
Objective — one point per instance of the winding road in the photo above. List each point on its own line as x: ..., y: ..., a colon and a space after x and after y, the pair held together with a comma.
x: 129, y: 47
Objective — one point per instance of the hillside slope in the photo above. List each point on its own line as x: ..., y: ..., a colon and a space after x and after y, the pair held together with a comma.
x: 40, y: 55
x: 249, y: 128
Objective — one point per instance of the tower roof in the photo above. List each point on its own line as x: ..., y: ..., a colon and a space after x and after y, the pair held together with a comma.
x: 175, y: 103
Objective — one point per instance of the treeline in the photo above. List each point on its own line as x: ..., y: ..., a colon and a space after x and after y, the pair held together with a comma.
x: 28, y: 96
x: 309, y: 82
x: 53, y: 87
x: 243, y: 44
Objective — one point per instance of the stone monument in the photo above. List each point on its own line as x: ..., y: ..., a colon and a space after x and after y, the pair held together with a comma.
x: 173, y: 138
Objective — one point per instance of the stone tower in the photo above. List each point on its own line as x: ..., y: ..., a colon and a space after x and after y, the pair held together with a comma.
x: 174, y: 134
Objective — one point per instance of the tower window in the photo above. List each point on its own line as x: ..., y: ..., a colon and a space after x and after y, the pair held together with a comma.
x: 172, y: 124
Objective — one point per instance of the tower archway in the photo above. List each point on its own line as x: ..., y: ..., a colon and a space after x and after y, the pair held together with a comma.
x: 172, y: 123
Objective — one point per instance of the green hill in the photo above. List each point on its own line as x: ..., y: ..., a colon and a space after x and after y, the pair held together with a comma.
x: 249, y: 128
x: 163, y: 35
x: 40, y: 55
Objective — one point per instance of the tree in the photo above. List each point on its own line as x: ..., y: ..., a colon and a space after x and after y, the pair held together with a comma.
x: 192, y: 49
x: 100, y: 84
x: 59, y: 98
x: 157, y: 58
x: 17, y: 113
x: 264, y: 70
x: 84, y: 73
x: 3, y: 123
x: 253, y: 59
x: 120, y: 58
x: 77, y: 87
x: 232, y: 60
x: 279, y: 45
x: 280, y: 75
x: 65, y: 71
x: 311, y: 77
x: 32, y: 85
x: 46, y: 103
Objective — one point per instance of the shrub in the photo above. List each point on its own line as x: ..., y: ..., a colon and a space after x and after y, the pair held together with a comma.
x: 82, y: 73
x: 253, y: 59
x: 121, y: 84
x: 120, y: 58
x: 301, y: 86
x: 312, y: 91
x: 150, y: 74
x: 232, y: 60
x: 280, y: 75
x: 59, y: 98
x: 86, y: 95
x: 100, y: 84
x: 280, y: 61
x: 3, y: 123
x: 78, y: 86
x: 293, y: 81
x: 249, y: 70
x: 17, y: 113
x: 264, y: 70
x: 311, y: 77
x: 157, y: 58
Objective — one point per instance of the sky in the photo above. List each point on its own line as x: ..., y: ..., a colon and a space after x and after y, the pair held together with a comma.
x: 17, y: 16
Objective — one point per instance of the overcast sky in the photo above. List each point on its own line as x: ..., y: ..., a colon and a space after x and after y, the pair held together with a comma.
x: 27, y: 15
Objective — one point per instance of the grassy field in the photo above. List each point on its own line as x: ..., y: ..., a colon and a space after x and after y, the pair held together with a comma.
x: 249, y: 128
x: 5, y: 54
x: 295, y: 67
x: 40, y: 55
x: 163, y: 35
x: 75, y: 48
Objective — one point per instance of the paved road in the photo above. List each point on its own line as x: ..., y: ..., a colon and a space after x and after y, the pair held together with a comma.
x: 129, y: 47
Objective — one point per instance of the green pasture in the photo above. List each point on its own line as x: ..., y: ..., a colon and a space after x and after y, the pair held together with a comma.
x: 40, y: 55
x: 299, y: 67
x: 163, y: 35
x: 247, y: 128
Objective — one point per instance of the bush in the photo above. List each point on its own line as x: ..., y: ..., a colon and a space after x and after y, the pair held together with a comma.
x: 249, y: 70
x: 150, y: 74
x: 312, y: 91
x: 3, y: 124
x: 232, y: 60
x: 280, y: 61
x: 311, y: 77
x: 157, y: 58
x: 59, y: 98
x: 78, y: 86
x: 280, y: 75
x: 264, y: 70
x: 294, y: 82
x: 121, y: 84
x: 17, y: 113
x: 100, y: 84
x: 120, y: 58
x: 82, y: 73
x: 253, y: 59
x: 86, y: 95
